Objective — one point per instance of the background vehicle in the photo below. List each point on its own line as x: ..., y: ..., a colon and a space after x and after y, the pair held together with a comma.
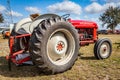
x: 53, y: 41
x: 3, y: 28
x: 6, y: 33
x: 102, y: 32
x: 117, y: 32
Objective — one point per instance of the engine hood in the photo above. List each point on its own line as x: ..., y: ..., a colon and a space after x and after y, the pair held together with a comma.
x: 83, y: 24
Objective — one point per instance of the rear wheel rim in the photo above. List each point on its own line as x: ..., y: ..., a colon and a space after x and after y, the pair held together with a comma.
x: 60, y: 47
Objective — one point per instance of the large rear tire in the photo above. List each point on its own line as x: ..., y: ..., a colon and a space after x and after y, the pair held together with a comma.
x: 54, y: 45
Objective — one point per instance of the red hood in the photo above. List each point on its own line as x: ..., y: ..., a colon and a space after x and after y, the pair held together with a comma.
x: 83, y: 24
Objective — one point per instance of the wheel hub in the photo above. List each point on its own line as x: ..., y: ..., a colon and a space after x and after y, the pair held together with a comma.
x: 60, y: 46
x: 104, y: 49
x: 57, y: 46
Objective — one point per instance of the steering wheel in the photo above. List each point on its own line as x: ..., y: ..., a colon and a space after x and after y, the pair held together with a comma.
x: 65, y: 16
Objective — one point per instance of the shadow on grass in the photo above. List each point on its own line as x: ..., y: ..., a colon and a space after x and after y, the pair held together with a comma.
x: 21, y: 71
x: 24, y: 71
x: 81, y: 56
x: 88, y: 58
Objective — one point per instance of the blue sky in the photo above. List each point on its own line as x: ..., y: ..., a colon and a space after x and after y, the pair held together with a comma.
x: 79, y: 9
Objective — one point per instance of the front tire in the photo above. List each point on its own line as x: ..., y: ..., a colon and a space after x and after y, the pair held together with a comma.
x: 54, y: 45
x: 103, y: 48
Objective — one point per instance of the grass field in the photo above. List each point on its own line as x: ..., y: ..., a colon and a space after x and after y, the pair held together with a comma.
x: 85, y: 68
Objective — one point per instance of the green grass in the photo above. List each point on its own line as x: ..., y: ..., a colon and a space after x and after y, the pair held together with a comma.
x: 85, y: 68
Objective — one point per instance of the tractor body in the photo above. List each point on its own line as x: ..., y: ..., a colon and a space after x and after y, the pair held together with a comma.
x: 53, y: 41
x: 87, y: 31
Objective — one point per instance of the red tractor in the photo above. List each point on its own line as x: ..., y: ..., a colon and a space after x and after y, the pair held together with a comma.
x: 53, y: 41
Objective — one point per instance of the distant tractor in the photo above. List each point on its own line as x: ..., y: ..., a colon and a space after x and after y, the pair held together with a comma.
x: 53, y: 41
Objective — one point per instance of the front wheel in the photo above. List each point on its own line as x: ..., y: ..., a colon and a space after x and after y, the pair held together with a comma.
x: 103, y: 48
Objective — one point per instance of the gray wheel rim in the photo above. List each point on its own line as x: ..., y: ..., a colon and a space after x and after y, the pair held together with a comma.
x: 105, y: 49
x: 60, y: 47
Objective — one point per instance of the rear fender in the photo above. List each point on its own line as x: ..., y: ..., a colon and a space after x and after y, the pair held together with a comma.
x: 39, y: 19
x: 26, y: 25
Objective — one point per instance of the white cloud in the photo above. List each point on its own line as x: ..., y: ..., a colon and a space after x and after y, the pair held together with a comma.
x: 32, y: 9
x: 97, y: 8
x: 107, y: 5
x: 2, y: 8
x: 14, y: 14
x: 65, y: 6
x: 93, y: 8
x: 86, y: 17
x: 113, y: 4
